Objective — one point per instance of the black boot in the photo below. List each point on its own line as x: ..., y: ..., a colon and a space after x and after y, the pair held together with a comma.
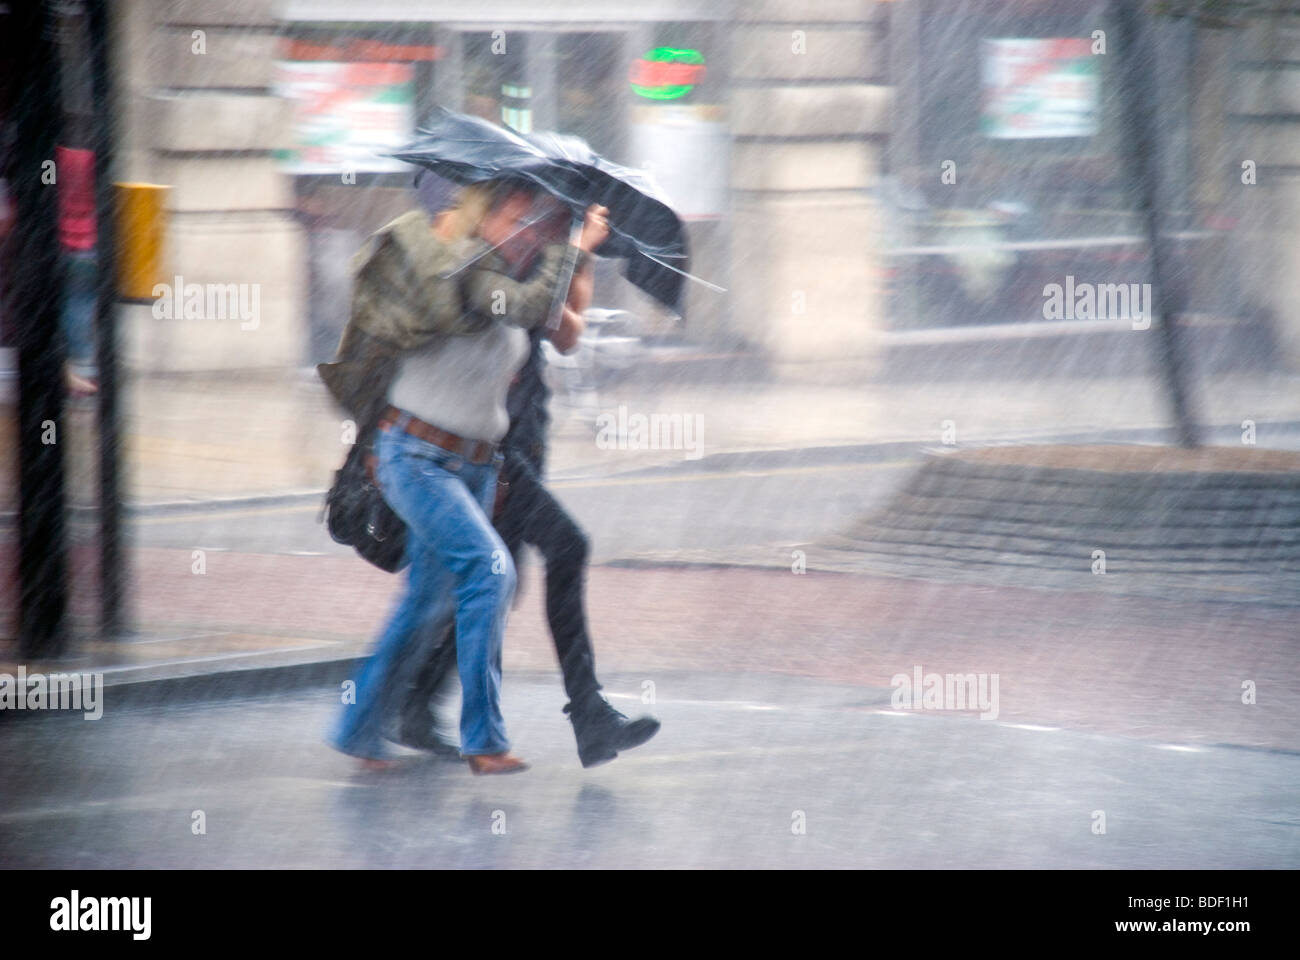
x: 602, y: 731
x: 418, y: 724
x: 418, y: 727
x: 423, y: 735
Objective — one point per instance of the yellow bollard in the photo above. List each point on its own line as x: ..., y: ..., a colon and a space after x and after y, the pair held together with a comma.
x: 141, y: 238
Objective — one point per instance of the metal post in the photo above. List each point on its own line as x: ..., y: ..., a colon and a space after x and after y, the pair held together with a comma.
x: 112, y: 560
x: 1138, y: 54
x: 37, y: 306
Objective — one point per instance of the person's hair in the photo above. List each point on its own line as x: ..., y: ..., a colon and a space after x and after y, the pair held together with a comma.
x: 476, y: 201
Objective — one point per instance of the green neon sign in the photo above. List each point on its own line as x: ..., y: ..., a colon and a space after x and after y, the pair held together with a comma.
x: 666, y: 73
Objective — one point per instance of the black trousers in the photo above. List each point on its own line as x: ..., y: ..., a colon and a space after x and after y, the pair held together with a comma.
x: 530, y: 515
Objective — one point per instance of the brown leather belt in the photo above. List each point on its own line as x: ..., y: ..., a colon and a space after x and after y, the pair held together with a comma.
x: 475, y: 451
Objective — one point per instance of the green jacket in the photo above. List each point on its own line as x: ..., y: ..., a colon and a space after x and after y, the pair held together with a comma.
x: 403, y: 298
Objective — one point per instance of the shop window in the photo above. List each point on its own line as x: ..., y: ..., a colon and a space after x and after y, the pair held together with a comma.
x: 496, y: 79
x: 588, y: 79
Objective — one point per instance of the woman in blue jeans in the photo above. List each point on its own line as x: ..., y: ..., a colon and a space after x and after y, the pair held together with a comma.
x: 437, y: 465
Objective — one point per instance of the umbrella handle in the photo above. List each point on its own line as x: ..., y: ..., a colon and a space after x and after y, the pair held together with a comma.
x: 566, y: 275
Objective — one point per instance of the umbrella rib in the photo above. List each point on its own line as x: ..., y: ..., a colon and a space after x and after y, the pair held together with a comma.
x: 688, y: 276
x: 645, y: 248
x: 483, y: 253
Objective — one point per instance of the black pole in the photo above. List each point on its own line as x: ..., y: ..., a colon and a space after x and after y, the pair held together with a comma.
x: 1138, y: 72
x: 112, y: 559
x: 37, y: 305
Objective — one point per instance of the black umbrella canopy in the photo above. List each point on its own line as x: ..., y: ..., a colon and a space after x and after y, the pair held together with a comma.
x: 644, y: 230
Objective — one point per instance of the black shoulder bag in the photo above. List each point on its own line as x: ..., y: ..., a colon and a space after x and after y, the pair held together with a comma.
x: 356, y: 513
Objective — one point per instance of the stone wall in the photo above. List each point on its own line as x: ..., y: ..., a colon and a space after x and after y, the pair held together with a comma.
x: 200, y: 117
x: 809, y: 116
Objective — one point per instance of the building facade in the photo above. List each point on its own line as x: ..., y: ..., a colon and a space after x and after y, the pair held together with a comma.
x: 856, y: 174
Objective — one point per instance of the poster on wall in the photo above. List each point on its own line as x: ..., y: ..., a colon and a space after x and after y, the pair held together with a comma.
x: 1037, y: 88
x: 346, y: 114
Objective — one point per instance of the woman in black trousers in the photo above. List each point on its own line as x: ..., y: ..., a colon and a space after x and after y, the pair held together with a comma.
x: 527, y: 513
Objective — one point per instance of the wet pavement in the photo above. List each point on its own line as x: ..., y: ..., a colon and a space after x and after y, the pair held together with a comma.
x: 780, y: 745
x: 750, y: 770
x: 211, y: 437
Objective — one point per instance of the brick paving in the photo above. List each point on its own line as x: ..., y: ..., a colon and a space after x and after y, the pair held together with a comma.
x: 1151, y: 668
x: 1160, y: 666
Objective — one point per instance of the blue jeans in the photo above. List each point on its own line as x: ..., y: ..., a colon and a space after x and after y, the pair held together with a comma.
x: 78, y: 318
x: 460, y: 569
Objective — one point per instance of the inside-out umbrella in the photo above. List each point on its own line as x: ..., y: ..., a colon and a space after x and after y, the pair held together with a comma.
x: 644, y: 229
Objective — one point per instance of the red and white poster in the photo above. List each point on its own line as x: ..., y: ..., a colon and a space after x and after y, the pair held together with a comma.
x: 1035, y: 88
x: 346, y: 114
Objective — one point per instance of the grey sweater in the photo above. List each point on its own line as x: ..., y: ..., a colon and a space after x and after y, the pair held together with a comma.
x: 459, y: 383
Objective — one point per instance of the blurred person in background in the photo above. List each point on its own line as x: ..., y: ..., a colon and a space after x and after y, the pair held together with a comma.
x: 437, y: 463
x: 527, y: 513
x: 75, y: 170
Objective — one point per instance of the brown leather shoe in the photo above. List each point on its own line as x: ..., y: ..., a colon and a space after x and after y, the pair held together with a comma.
x: 496, y: 763
x: 375, y: 765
